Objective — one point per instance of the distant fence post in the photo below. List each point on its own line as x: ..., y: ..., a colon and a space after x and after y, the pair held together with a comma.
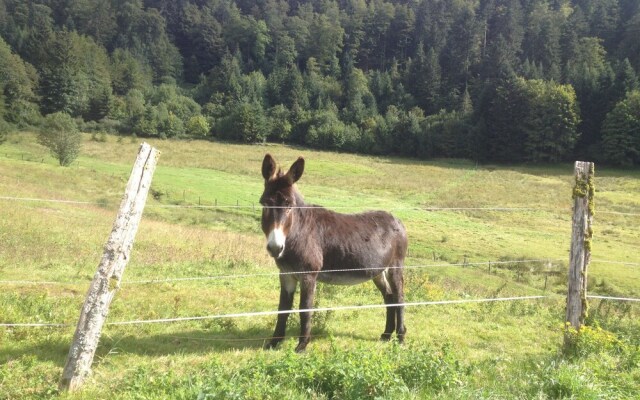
x: 580, y: 255
x: 106, y: 281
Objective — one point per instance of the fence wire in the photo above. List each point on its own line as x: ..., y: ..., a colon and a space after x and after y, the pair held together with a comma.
x: 367, y: 207
x: 278, y: 312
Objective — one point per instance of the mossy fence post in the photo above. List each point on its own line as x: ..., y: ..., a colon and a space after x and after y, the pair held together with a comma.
x: 106, y: 281
x: 580, y: 255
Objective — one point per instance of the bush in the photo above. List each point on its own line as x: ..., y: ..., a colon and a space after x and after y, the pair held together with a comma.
x: 591, y: 340
x: 327, y: 131
x: 61, y: 135
x: 198, y: 126
x: 170, y: 125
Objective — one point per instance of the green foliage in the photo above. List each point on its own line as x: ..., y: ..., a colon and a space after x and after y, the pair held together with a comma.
x: 355, y: 374
x: 425, y: 79
x: 551, y: 123
x: 246, y: 122
x: 5, y: 128
x: 60, y: 134
x: 198, y: 126
x: 127, y: 72
x: 326, y: 130
x: 447, y: 135
x: 591, y: 341
x: 280, y: 125
x: 75, y: 77
x: 18, y: 81
x: 530, y: 120
x: 168, y: 123
x: 84, y: 57
x: 621, y: 132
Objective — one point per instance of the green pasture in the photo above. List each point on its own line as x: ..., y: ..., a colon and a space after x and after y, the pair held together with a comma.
x: 505, y: 215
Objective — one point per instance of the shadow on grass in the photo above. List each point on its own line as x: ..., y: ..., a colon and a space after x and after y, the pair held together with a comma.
x: 188, y: 341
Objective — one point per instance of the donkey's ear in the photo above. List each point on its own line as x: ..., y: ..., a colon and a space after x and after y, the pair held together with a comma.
x: 268, y: 167
x: 296, y: 170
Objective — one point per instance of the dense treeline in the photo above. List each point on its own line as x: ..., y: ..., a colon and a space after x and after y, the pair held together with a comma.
x: 495, y: 80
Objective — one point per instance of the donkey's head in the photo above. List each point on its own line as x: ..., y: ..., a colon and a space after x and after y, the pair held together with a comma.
x: 278, y: 200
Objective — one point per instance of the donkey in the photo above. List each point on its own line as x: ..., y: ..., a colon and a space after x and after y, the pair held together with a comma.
x: 310, y: 243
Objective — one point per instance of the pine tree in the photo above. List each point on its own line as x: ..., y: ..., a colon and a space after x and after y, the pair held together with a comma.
x: 425, y: 79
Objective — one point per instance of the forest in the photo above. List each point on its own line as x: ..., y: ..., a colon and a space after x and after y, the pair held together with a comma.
x: 488, y: 80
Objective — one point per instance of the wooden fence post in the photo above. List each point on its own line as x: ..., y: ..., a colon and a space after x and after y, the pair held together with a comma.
x: 580, y: 255
x: 106, y: 281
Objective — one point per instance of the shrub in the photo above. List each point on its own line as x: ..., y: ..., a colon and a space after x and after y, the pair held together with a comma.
x: 198, y: 126
x: 591, y: 340
x: 61, y: 135
x: 170, y: 125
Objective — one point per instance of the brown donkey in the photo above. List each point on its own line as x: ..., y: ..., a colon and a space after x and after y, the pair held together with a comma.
x: 310, y: 243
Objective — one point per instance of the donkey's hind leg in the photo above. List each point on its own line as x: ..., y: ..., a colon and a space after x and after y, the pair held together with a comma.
x: 383, y: 285
x: 396, y: 282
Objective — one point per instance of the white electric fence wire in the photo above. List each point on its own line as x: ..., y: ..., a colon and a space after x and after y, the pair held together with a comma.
x: 593, y: 296
x: 45, y: 200
x: 617, y: 262
x: 268, y: 313
x: 254, y: 206
x: 260, y: 206
x: 616, y: 213
x: 24, y: 282
x: 334, y: 270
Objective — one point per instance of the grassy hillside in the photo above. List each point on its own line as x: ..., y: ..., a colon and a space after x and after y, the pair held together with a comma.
x: 492, y: 350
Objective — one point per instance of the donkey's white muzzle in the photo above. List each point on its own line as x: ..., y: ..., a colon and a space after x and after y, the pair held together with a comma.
x: 275, y: 242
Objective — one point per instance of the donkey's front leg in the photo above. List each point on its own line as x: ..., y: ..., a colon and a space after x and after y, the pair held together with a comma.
x: 288, y: 286
x: 307, y: 293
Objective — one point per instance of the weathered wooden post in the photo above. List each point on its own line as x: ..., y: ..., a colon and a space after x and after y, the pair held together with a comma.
x: 106, y: 281
x: 580, y: 255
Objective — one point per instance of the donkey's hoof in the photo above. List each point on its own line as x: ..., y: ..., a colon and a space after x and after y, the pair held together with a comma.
x: 272, y: 344
x: 385, y: 337
x: 301, y: 347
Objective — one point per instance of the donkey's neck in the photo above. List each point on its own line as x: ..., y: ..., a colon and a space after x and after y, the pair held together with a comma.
x: 299, y: 199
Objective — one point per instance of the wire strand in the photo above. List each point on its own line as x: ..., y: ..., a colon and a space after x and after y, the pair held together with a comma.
x: 255, y: 206
x: 31, y: 199
x: 616, y: 262
x: 233, y: 276
x: 278, y: 312
x: 593, y: 296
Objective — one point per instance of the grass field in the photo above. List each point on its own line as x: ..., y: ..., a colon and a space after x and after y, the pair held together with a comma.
x: 490, y: 350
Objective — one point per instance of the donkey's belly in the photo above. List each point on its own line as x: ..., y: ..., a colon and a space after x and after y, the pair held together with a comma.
x: 347, y: 277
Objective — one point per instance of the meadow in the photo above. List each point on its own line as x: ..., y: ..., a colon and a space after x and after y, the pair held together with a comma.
x: 475, y: 231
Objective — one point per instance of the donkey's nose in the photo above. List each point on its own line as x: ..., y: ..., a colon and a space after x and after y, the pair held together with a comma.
x: 275, y: 242
x: 275, y: 249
